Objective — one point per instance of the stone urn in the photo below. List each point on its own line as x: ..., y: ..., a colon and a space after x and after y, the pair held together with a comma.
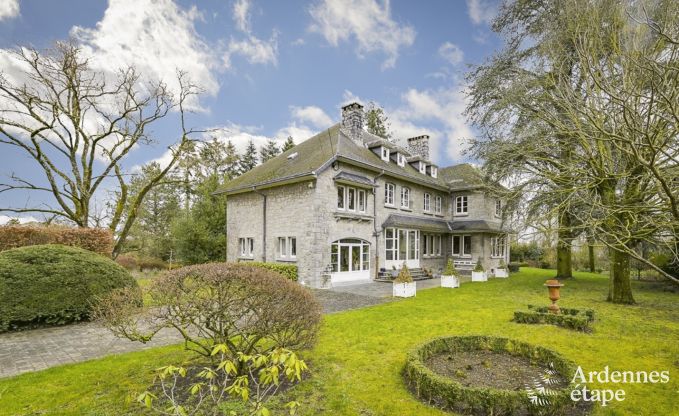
x: 554, y: 286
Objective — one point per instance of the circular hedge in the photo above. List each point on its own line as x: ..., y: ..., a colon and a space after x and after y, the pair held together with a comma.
x: 449, y: 394
x: 53, y: 284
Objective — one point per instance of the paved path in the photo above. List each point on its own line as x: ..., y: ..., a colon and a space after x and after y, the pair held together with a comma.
x: 38, y: 349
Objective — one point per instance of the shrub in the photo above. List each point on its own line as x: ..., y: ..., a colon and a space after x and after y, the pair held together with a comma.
x: 151, y: 263
x: 449, y: 394
x: 450, y: 269
x: 53, y: 284
x: 404, y: 275
x: 576, y: 319
x: 479, y: 267
x: 127, y: 261
x: 287, y: 270
x: 250, y: 309
x: 514, y: 267
x: 99, y: 240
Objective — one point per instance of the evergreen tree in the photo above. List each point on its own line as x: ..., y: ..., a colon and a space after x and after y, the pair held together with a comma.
x: 231, y: 161
x: 289, y: 144
x: 269, y: 150
x: 249, y: 158
x: 377, y: 122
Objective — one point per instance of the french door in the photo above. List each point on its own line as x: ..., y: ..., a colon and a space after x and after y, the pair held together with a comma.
x: 402, y: 245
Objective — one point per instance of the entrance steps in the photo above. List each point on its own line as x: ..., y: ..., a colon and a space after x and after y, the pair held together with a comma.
x: 416, y: 273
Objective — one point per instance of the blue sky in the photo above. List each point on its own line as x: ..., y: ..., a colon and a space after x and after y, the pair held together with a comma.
x: 273, y: 69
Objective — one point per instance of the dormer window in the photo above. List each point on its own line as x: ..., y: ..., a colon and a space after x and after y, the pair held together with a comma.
x: 400, y: 159
x: 423, y: 168
x: 385, y: 154
x: 434, y: 171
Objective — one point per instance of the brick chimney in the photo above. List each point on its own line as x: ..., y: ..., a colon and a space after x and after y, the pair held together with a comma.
x: 352, y: 121
x: 419, y: 146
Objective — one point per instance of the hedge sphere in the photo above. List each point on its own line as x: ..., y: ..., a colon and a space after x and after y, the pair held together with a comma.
x: 54, y: 284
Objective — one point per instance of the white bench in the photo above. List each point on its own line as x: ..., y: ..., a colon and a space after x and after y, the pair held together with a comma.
x: 464, y: 264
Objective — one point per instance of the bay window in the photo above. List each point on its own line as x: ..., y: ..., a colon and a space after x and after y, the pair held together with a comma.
x: 462, y: 245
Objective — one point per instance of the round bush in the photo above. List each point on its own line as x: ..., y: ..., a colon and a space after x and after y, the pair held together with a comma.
x: 54, y: 284
x: 449, y: 394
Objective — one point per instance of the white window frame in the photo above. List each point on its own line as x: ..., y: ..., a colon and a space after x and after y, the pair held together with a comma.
x: 292, y: 247
x: 342, y: 200
x: 498, y: 207
x: 361, y: 201
x: 400, y: 160
x: 498, y: 246
x: 350, y: 199
x: 384, y: 153
x: 389, y: 190
x: 434, y: 172
x: 431, y: 245
x: 427, y: 202
x: 438, y: 204
x: 462, y: 205
x: 282, y: 247
x: 462, y: 246
x: 405, y: 197
x: 246, y: 246
x: 423, y: 168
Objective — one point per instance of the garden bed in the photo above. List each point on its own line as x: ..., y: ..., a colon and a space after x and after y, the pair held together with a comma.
x: 576, y: 319
x: 486, y: 375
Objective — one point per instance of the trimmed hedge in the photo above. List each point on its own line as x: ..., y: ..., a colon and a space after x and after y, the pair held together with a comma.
x: 576, y: 319
x: 99, y: 240
x: 54, y: 284
x: 287, y: 270
x: 449, y: 394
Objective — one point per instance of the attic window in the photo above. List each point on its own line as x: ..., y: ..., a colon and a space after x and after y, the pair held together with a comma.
x: 385, y: 154
x: 423, y: 167
x: 292, y: 156
x: 434, y: 171
x: 400, y: 159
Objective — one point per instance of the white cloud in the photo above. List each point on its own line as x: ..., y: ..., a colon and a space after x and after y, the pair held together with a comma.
x: 9, y: 9
x: 4, y: 219
x: 482, y: 11
x: 241, y: 14
x: 368, y: 21
x: 254, y: 49
x: 313, y: 115
x: 451, y: 53
x: 156, y: 36
x: 442, y: 107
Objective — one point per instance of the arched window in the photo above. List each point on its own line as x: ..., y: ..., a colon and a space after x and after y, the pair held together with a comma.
x: 350, y: 255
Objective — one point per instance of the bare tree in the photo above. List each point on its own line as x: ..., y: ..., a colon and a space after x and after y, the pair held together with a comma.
x: 78, y: 125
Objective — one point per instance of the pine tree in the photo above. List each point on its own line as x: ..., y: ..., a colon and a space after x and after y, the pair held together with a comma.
x: 249, y: 158
x: 269, y: 150
x: 377, y: 122
x: 232, y: 161
x: 289, y: 144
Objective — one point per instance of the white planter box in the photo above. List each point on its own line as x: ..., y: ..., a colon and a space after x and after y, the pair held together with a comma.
x: 501, y: 273
x: 405, y: 290
x: 450, y: 281
x: 479, y: 277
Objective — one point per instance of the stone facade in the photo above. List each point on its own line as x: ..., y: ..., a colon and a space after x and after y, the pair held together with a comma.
x: 339, y: 242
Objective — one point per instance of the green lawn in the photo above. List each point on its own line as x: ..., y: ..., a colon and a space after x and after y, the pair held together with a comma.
x: 356, y: 364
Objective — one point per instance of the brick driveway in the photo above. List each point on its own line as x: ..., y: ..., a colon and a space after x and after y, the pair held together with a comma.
x: 38, y: 349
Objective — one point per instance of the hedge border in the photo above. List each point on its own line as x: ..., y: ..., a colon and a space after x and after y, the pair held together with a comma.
x: 449, y: 394
x: 570, y: 318
x: 288, y: 271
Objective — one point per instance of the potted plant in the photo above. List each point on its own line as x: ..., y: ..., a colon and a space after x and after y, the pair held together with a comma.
x: 501, y: 270
x: 394, y: 272
x: 479, y: 273
x: 404, y: 287
x: 450, y: 278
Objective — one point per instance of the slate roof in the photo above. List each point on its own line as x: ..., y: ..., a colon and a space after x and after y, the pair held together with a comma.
x: 316, y: 153
x: 351, y: 177
x: 419, y: 223
x: 476, y: 225
x: 462, y: 176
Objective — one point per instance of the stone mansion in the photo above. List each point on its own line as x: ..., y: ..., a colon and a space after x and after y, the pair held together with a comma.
x: 348, y: 206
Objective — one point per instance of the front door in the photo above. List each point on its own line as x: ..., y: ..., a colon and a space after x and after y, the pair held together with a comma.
x: 350, y: 259
x: 402, y: 246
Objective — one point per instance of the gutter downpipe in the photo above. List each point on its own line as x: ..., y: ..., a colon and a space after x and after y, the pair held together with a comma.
x: 375, y: 233
x: 254, y: 189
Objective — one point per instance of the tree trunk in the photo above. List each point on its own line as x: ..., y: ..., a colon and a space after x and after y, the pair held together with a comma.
x: 590, y: 249
x: 564, y: 264
x: 620, y: 287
